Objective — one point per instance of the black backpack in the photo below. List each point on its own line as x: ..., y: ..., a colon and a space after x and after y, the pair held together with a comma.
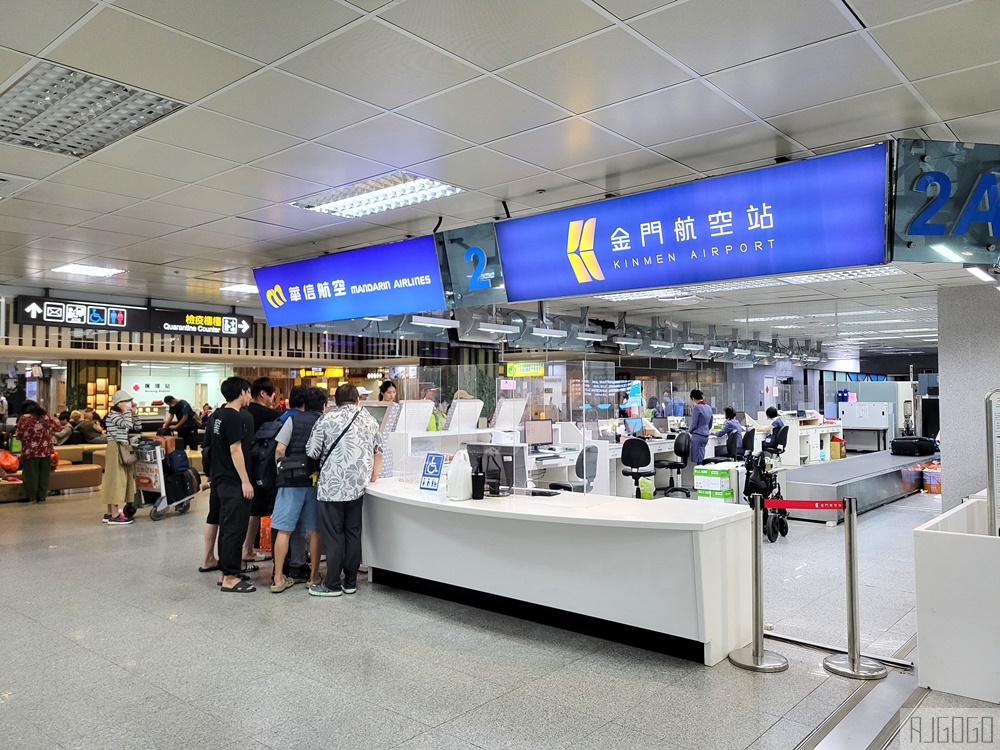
x: 263, y: 470
x: 206, y: 447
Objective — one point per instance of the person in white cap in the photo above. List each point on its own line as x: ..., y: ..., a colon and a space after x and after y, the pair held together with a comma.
x: 118, y: 488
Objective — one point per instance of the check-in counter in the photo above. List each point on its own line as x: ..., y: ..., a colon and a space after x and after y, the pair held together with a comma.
x: 668, y: 574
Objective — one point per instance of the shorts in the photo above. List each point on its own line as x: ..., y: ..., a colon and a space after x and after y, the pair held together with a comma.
x: 214, y: 506
x: 293, y: 504
x: 263, y: 502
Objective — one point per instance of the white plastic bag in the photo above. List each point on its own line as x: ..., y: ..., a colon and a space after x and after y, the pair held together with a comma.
x: 460, y: 477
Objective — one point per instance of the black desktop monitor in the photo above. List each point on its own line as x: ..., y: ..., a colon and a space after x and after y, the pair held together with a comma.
x: 376, y: 410
x: 513, y: 460
x: 633, y: 425
x: 538, y: 432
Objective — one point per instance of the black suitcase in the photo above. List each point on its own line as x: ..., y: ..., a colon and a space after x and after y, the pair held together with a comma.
x: 913, y: 446
x: 182, y: 485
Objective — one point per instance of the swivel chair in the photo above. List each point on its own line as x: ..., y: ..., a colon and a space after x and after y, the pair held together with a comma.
x: 636, y: 455
x: 776, y: 445
x: 682, y: 449
x: 731, y: 450
x: 748, y: 440
x: 586, y: 470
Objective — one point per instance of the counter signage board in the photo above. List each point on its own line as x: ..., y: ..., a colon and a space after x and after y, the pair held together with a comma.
x: 947, y: 202
x: 203, y: 323
x: 430, y: 477
x: 471, y: 266
x: 826, y: 212
x: 75, y: 314
x: 384, y: 280
x: 525, y: 369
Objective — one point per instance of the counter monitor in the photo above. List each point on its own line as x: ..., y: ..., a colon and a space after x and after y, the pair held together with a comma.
x: 538, y: 432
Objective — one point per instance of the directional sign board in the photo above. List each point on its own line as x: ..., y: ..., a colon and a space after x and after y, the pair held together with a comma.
x: 430, y: 477
x: 207, y: 324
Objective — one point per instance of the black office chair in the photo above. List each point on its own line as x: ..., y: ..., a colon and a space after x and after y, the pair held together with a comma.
x: 682, y: 449
x: 748, y: 440
x: 731, y: 450
x: 775, y: 445
x: 586, y: 470
x: 636, y: 455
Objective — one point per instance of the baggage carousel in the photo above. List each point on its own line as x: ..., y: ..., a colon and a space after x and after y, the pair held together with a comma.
x: 873, y: 478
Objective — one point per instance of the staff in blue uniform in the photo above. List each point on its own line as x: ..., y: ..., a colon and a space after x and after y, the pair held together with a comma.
x: 701, y: 423
x: 676, y: 404
x: 730, y: 425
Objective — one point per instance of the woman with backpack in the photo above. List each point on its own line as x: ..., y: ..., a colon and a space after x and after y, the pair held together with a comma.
x: 118, y: 488
x: 34, y: 430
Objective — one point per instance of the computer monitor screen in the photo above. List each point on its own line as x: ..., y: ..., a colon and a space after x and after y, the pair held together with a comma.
x: 376, y: 410
x: 633, y: 426
x: 538, y: 432
x: 513, y: 461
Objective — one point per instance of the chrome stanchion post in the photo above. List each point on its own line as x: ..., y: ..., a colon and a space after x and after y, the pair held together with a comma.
x: 754, y: 657
x: 853, y: 664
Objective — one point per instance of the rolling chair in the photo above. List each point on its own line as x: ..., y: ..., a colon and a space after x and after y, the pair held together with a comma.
x: 682, y: 449
x: 748, y: 440
x: 586, y: 470
x: 636, y: 455
x: 731, y: 451
x: 776, y: 446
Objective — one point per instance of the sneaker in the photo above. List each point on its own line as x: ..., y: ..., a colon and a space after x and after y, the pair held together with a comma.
x: 320, y: 589
x: 348, y: 589
x: 107, y: 517
x: 119, y: 520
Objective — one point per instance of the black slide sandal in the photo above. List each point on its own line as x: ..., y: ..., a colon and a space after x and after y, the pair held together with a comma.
x: 208, y: 570
x: 243, y: 587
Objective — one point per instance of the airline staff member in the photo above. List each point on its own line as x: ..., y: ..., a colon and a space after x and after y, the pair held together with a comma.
x: 701, y: 423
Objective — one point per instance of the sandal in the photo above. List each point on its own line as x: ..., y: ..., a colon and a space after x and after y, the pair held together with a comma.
x: 251, y: 568
x: 209, y: 570
x: 260, y: 557
x: 243, y: 587
x: 286, y: 584
x: 243, y: 577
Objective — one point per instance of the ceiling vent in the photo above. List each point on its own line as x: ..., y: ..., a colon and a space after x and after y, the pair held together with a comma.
x: 10, y: 184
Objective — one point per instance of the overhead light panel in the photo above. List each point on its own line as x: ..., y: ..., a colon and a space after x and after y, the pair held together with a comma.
x: 847, y: 274
x: 65, y: 111
x: 718, y: 349
x: 741, y: 352
x: 428, y: 322
x: 780, y: 355
x: 499, y: 328
x: 979, y: 273
x: 587, y: 336
x: 655, y: 344
x: 377, y: 318
x: 549, y: 333
x: 385, y: 193
x: 239, y: 288
x: 692, y: 347
x: 767, y: 319
x: 95, y: 271
x: 626, y: 341
x: 733, y: 286
x: 760, y: 353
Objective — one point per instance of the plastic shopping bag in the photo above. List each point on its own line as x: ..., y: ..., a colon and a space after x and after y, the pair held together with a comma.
x: 460, y: 477
x: 646, y: 488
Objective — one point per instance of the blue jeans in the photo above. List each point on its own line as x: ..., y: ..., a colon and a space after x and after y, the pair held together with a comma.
x: 293, y: 504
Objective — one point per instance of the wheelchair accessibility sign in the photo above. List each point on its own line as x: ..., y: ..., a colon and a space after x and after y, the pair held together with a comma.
x: 430, y: 478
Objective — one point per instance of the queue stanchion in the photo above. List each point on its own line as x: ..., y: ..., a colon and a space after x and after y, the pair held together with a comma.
x: 853, y: 664
x: 754, y: 657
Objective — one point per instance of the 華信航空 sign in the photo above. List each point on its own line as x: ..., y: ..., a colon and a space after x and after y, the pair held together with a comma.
x: 821, y: 213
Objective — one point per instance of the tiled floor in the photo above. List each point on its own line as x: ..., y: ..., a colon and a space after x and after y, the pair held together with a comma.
x: 109, y: 638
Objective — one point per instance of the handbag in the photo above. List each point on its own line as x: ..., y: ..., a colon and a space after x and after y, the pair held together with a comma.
x: 126, y: 454
x: 8, y: 461
x: 295, y: 469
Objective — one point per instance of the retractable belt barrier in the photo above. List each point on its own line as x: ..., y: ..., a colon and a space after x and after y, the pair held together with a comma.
x: 805, y: 504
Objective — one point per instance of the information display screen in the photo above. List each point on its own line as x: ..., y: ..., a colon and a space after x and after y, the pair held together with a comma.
x: 827, y: 212
x: 383, y: 280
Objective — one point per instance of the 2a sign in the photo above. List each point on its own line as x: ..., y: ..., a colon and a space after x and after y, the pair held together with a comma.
x: 982, y: 206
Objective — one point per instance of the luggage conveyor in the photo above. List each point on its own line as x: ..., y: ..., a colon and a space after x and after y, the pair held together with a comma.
x: 874, y: 479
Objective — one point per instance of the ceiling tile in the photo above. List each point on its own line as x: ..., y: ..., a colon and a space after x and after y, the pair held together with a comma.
x: 29, y: 226
x: 476, y: 168
x: 978, y: 128
x: 369, y: 5
x: 394, y: 140
x: 74, y: 197
x: 141, y: 54
x: 168, y: 246
x: 153, y: 157
x: 30, y: 27
x: 10, y: 62
x: 213, y: 264
x: 310, y: 161
x: 626, y: 9
x: 949, y: 96
x: 492, y: 34
x: 98, y: 237
x: 93, y: 176
x: 628, y: 171
x: 218, y: 135
x: 259, y: 183
x: 563, y: 144
x: 603, y: 69
x: 711, y: 35
x: 738, y: 145
x: 44, y: 212
x: 385, y: 52
x: 125, y: 225
x: 784, y: 83
x: 915, y: 44
x: 282, y: 102
x: 135, y: 253
x: 26, y: 162
x: 669, y: 115
x: 66, y: 247
x: 261, y: 29
x: 178, y: 216
x: 206, y: 239
x: 293, y: 218
x: 471, y: 205
x: 248, y: 229
x: 217, y: 201
x: 545, y: 190
x: 875, y: 12
x: 483, y: 110
x: 871, y: 114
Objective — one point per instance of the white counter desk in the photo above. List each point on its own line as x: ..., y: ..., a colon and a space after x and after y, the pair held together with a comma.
x: 671, y: 575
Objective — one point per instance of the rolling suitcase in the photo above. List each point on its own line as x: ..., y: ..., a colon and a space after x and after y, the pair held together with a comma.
x: 182, y: 485
x: 913, y: 446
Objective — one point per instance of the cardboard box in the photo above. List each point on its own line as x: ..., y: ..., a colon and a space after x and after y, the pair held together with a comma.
x: 723, y: 495
x: 706, y: 478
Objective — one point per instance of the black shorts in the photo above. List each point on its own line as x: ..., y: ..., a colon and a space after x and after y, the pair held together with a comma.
x: 214, y: 507
x: 263, y: 502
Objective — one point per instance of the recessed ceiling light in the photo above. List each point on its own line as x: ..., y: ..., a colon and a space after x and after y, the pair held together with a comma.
x: 979, y: 273
x: 378, y: 194
x: 239, y: 288
x: 733, y: 286
x: 767, y: 319
x: 64, y: 111
x: 429, y: 322
x: 692, y: 347
x: 847, y: 274
x: 655, y: 344
x: 549, y: 333
x: 587, y: 336
x: 95, y: 271
x: 29, y: 361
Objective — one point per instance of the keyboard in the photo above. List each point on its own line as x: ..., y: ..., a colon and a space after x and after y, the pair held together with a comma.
x: 544, y: 493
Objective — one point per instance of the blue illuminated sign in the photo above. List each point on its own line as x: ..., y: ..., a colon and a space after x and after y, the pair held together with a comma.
x: 384, y: 280
x: 826, y: 212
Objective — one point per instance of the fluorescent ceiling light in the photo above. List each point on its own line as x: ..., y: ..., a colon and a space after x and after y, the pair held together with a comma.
x: 945, y: 253
x: 428, y: 322
x: 787, y: 326
x: 767, y: 319
x: 759, y: 353
x: 718, y: 349
x: 67, y: 112
x: 626, y: 341
x: 780, y: 355
x: 740, y: 352
x: 95, y: 271
x: 29, y: 361
x: 979, y: 273
x: 239, y: 288
x: 847, y: 274
x: 655, y: 344
x: 690, y: 293
x: 586, y: 336
x: 377, y: 318
x: 692, y: 347
x: 394, y: 190
x: 733, y: 286
x: 498, y: 328
x: 549, y: 333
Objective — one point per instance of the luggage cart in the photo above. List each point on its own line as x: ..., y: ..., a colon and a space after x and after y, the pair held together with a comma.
x: 151, y: 484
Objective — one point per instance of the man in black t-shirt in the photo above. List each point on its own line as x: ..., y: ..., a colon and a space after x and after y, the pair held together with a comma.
x: 184, y: 420
x: 232, y: 438
x: 262, y: 394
